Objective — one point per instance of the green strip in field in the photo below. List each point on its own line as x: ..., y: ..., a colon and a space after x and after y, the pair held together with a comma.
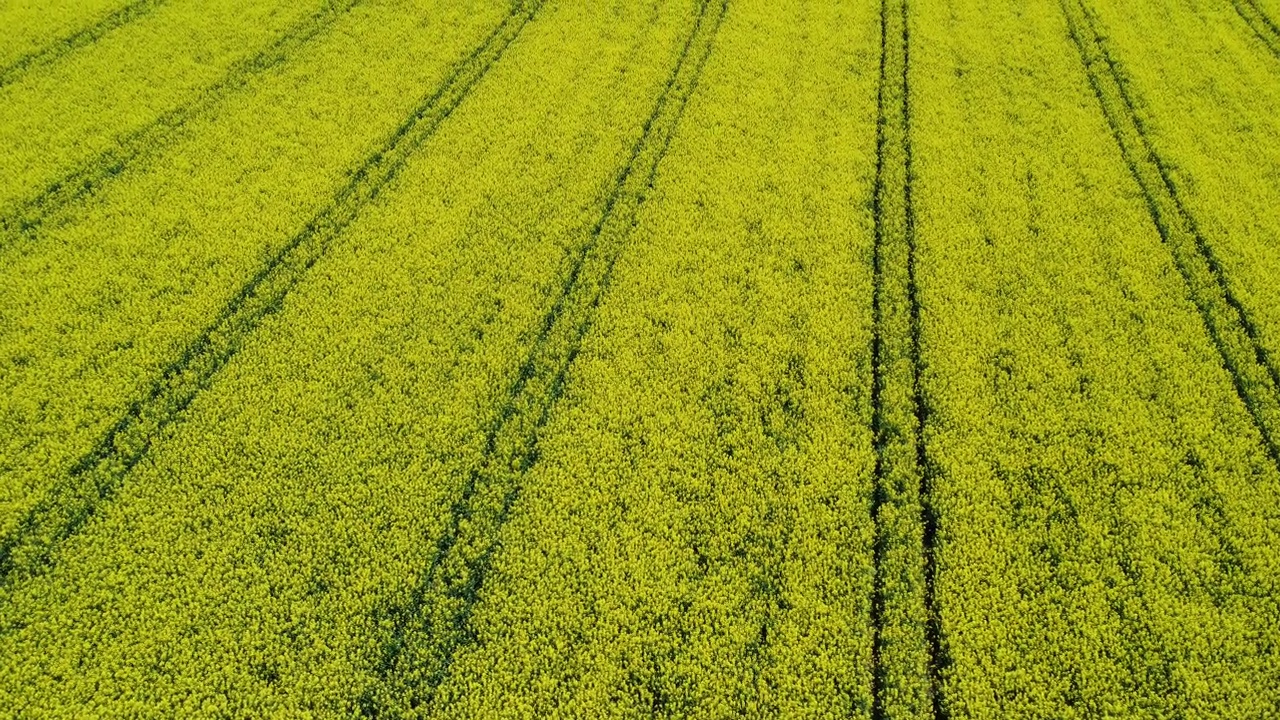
x: 1234, y: 332
x: 435, y: 623
x: 151, y: 139
x: 906, y: 649
x: 61, y: 47
x: 96, y: 477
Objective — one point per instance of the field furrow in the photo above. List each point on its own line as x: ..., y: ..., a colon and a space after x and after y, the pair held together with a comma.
x: 133, y: 148
x: 67, y: 44
x: 907, y: 644
x: 1270, y: 8
x: 1105, y: 500
x: 1207, y: 105
x: 438, y: 289
x: 96, y: 476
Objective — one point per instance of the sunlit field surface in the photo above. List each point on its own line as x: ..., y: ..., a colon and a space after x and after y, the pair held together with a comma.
x: 883, y: 359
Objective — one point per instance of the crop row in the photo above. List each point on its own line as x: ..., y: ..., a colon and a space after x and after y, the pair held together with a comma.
x: 1217, y: 216
x: 33, y: 28
x: 1262, y: 20
x: 1234, y: 333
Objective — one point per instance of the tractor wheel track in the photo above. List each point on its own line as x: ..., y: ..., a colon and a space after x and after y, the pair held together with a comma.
x: 907, y: 652
x: 434, y: 623
x: 84, y: 37
x: 25, y: 218
x: 1260, y: 23
x: 1234, y: 334
x: 30, y: 548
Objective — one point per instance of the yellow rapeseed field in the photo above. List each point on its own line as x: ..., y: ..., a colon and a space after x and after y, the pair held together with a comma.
x: 897, y: 360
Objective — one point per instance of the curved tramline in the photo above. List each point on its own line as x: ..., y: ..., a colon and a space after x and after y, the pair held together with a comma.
x: 98, y: 474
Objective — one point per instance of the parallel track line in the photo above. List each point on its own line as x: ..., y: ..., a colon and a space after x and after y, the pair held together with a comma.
x: 25, y: 218
x: 439, y: 608
x: 1234, y: 334
x: 1260, y: 23
x: 907, y: 655
x: 96, y: 477
x: 62, y: 47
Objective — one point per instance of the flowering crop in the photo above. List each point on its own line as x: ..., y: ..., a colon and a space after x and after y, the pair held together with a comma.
x: 913, y: 359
